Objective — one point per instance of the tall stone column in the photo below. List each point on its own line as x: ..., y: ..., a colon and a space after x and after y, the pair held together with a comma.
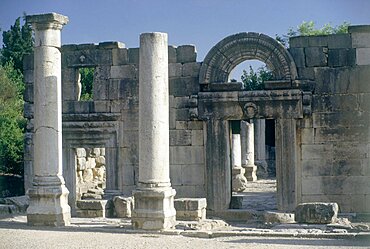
x: 154, y: 196
x: 48, y: 194
x: 260, y: 147
x: 239, y: 182
x: 247, y: 139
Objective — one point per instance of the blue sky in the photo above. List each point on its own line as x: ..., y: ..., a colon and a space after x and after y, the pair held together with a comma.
x: 199, y: 22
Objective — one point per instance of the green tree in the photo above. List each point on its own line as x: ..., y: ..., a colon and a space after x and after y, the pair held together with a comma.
x: 253, y: 80
x: 18, y: 42
x: 87, y: 78
x: 12, y: 122
x: 309, y: 29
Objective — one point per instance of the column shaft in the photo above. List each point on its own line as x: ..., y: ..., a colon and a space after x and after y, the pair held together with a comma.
x: 247, y: 137
x: 154, y: 197
x: 48, y: 195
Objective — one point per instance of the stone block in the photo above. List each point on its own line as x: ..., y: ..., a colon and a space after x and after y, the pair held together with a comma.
x: 306, y: 73
x: 180, y: 137
x: 100, y: 89
x: 318, y: 41
x: 181, y: 125
x: 123, y: 206
x: 111, y: 45
x: 193, y: 209
x: 184, y: 86
x: 128, y: 175
x: 124, y: 71
x: 278, y: 217
x: 28, y: 76
x: 317, y: 167
x: 316, y: 56
x: 197, y: 137
x: 133, y: 55
x: 174, y: 70
x: 181, y: 102
x: 186, y: 53
x: 182, y: 114
x: 236, y: 202
x: 317, y: 151
x: 361, y: 39
x: 316, y: 213
x: 28, y: 110
x: 191, y: 69
x: 28, y: 93
x: 120, y: 56
x: 91, y: 213
x: 172, y: 56
x: 359, y: 79
x: 339, y: 41
x: 362, y: 56
x: 6, y: 209
x: 92, y: 204
x: 195, y: 125
x: 20, y: 202
x: 176, y: 175
x: 102, y: 72
x: 187, y: 155
x: 298, y: 42
x: 192, y: 174
x: 28, y: 62
x: 298, y: 56
x: 172, y: 115
x: 341, y: 57
x: 194, y: 191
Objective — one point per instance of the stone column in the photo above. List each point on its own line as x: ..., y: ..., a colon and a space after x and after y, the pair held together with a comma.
x: 247, y: 139
x: 48, y: 194
x: 260, y: 147
x: 154, y: 197
x: 238, y: 179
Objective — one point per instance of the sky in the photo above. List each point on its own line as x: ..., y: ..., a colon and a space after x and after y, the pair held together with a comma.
x: 199, y: 22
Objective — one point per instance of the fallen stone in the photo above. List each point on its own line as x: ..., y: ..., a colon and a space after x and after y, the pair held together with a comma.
x: 7, y: 209
x: 316, y: 213
x: 89, y: 196
x: 123, y: 206
x: 20, y: 202
x: 92, y: 204
x: 278, y: 217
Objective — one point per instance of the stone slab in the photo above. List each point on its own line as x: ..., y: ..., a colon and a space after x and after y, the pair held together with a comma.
x: 91, y: 204
x: 316, y: 213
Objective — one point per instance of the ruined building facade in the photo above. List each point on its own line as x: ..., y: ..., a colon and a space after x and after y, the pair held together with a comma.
x: 319, y: 100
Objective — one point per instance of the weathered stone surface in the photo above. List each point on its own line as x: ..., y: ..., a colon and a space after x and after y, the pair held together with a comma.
x: 341, y: 57
x: 20, y: 202
x: 92, y: 204
x: 362, y: 56
x: 123, y: 206
x: 190, y: 208
x: 278, y: 217
x: 186, y: 53
x: 298, y: 56
x: 316, y: 213
x: 180, y: 137
x: 120, y: 56
x: 316, y: 56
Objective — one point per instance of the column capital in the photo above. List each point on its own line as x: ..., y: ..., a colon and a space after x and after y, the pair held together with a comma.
x: 47, y: 21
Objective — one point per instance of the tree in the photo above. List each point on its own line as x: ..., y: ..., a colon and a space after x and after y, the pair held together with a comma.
x: 18, y: 42
x: 253, y: 80
x: 12, y: 122
x: 87, y: 78
x: 309, y: 29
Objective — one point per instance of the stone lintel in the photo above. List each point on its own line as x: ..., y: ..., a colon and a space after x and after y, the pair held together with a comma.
x: 49, y: 18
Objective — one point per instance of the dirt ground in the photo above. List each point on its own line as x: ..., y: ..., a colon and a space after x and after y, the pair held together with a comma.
x: 14, y: 233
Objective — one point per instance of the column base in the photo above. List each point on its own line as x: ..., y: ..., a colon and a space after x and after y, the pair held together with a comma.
x: 154, y: 209
x: 48, y: 202
x: 250, y: 172
x: 239, y: 182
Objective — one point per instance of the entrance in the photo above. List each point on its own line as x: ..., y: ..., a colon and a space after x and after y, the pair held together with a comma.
x: 221, y: 101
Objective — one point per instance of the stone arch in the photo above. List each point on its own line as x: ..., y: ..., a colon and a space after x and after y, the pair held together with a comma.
x: 234, y: 49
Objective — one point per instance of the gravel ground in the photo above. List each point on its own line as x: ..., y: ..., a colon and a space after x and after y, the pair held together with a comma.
x: 14, y: 233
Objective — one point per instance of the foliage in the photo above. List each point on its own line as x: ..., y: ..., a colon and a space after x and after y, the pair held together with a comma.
x: 253, y: 80
x: 87, y: 78
x: 12, y: 122
x: 309, y: 29
x: 18, y: 42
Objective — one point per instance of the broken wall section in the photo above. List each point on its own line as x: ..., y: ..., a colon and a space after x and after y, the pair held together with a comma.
x: 335, y: 142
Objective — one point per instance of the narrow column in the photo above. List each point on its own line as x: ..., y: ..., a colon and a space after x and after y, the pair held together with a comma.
x: 260, y: 147
x: 48, y: 194
x: 239, y: 182
x: 154, y: 197
x: 247, y: 137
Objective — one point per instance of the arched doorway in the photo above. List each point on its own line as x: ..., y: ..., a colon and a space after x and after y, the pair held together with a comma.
x: 221, y: 101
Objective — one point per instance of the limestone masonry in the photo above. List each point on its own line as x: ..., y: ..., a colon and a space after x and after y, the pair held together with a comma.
x: 181, y: 140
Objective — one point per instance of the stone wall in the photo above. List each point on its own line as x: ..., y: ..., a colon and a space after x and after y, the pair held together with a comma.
x: 111, y: 120
x: 335, y: 139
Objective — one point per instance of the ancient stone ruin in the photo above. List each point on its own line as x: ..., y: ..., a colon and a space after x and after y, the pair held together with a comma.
x: 169, y: 127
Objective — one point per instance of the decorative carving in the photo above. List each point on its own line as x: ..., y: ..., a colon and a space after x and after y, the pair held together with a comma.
x: 250, y: 110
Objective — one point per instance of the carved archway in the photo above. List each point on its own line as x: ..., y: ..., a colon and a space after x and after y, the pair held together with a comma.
x: 234, y: 49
